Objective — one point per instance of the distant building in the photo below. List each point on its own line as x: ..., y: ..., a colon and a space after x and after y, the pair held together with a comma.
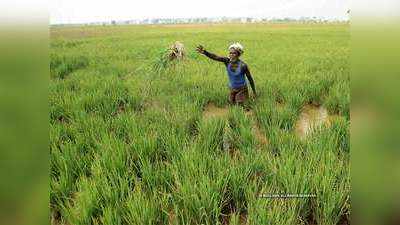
x: 218, y: 20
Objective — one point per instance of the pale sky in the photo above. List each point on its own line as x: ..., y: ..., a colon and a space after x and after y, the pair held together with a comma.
x: 82, y: 11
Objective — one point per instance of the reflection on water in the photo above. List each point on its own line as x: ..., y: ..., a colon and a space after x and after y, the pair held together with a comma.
x: 311, y: 118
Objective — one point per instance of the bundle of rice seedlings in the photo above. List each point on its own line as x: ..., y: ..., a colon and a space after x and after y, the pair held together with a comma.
x: 175, y: 52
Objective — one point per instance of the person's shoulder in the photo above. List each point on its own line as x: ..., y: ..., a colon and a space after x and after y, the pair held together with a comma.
x: 244, y: 64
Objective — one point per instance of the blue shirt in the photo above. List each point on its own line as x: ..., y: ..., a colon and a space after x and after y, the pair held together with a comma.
x: 237, y: 78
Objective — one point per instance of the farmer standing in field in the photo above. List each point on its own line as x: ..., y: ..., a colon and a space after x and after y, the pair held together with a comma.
x: 237, y: 70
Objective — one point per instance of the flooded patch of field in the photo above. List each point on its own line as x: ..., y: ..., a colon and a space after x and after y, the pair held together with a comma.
x: 311, y: 117
x: 213, y: 111
x: 258, y: 134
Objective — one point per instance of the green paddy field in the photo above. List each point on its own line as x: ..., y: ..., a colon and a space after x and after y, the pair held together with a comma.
x: 135, y: 139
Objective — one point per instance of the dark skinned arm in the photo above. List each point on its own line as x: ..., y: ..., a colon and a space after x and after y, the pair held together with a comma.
x: 250, y: 79
x: 212, y: 56
x: 216, y: 57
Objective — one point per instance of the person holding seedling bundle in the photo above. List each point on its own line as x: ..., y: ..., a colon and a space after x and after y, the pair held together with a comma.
x: 237, y: 73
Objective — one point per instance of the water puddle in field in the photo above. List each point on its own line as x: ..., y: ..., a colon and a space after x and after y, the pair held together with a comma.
x: 213, y: 111
x: 258, y: 134
x: 311, y: 117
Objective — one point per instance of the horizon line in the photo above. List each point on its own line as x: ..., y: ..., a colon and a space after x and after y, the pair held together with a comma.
x: 261, y: 19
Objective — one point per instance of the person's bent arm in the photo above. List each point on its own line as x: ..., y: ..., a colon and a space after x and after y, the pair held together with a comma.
x: 251, y: 81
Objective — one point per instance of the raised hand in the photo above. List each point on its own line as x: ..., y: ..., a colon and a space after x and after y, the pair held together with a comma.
x: 200, y: 49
